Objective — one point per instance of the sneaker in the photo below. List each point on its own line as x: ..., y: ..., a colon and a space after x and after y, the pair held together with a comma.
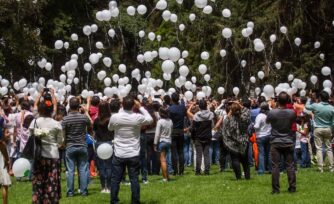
x: 164, y: 180
x: 107, y: 191
x: 103, y: 191
x: 125, y: 183
x: 145, y: 182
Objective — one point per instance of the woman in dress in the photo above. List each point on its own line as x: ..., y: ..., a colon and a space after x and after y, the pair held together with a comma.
x: 46, y: 175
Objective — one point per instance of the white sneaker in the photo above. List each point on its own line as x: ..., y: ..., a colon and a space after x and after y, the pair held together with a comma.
x: 103, y: 191
x: 164, y: 180
x: 145, y: 182
x: 107, y: 191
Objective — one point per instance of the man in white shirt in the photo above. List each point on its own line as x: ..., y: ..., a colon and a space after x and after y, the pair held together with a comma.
x: 127, y: 125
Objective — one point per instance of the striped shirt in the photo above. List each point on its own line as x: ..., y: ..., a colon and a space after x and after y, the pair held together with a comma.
x: 75, y: 126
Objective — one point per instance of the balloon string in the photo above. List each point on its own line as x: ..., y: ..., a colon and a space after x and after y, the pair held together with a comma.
x: 89, y: 45
x: 235, y: 52
x: 150, y: 13
x: 289, y: 44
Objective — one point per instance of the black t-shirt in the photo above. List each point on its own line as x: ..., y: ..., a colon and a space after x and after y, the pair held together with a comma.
x: 102, y: 134
x: 281, y: 121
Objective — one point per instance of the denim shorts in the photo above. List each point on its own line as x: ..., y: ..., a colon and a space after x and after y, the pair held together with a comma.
x: 163, y: 146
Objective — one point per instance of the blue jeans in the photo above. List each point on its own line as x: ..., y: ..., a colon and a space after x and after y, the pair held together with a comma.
x: 143, y: 158
x: 250, y: 154
x: 263, y: 144
x: 306, y: 161
x: 187, y: 150
x: 163, y: 147
x: 104, y: 167
x: 77, y: 155
x: 169, y: 161
x: 119, y: 165
x: 214, y: 152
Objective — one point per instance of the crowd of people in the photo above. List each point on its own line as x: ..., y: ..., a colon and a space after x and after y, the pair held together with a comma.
x: 162, y: 135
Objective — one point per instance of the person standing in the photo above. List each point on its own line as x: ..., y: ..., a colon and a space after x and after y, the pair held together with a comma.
x: 75, y: 125
x: 323, y: 125
x: 46, y: 175
x: 282, y: 142
x: 263, y: 132
x: 177, y: 112
x: 127, y: 126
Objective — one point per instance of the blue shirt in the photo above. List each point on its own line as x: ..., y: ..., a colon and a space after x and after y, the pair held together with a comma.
x: 323, y: 114
x: 254, y: 113
x: 176, y: 114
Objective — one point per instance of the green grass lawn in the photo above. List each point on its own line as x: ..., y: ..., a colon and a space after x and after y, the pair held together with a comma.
x: 312, y: 187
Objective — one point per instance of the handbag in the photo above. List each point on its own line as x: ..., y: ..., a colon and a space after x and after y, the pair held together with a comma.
x: 33, y: 148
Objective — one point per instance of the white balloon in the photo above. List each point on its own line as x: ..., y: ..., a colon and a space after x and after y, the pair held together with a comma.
x: 161, y: 5
x: 259, y: 47
x: 202, y: 69
x: 168, y: 66
x: 131, y: 11
x: 184, y: 71
x: 122, y: 68
x: 185, y: 54
x: 181, y: 61
x: 66, y: 45
x: 260, y: 74
x: 93, y: 28
x: 141, y: 9
x: 227, y: 33
x: 173, y: 18
x: 252, y: 79
x: 273, y: 38
x: 226, y: 13
x: 99, y: 16
x: 94, y: 58
x: 42, y: 63
x: 74, y: 37
x: 115, y: 12
x: 250, y: 24
x: 166, y: 76
x: 140, y: 58
x: 166, y: 15
x: 201, y: 3
x: 257, y: 90
x: 151, y: 36
x: 87, y: 67
x: 236, y: 91
x: 205, y: 55
x: 163, y: 53
x: 192, y: 17
x: 107, y: 81
x: 73, y: 64
x: 115, y: 78
x: 207, y: 9
x: 21, y: 167
x: 283, y: 29
x: 268, y: 90
x: 322, y: 56
x: 243, y: 63
x: 48, y: 66
x: 314, y: 79
x: 111, y: 33
x: 326, y: 71
x: 244, y: 33
x: 4, y: 91
x: 174, y: 54
x: 290, y: 77
x: 188, y: 85
x: 141, y: 34
x: 298, y: 41
x: 207, y: 77
x: 80, y: 50
x: 188, y: 95
x: 76, y: 80
x: 317, y: 44
x: 104, y: 151
x: 327, y: 84
x: 22, y: 83
x: 148, y: 56
x: 221, y: 90
x: 87, y: 30
x: 193, y: 79
x: 222, y: 53
x: 59, y: 44
x: 249, y: 31
x: 200, y: 95
x: 107, y: 61
x: 182, y: 27
x: 99, y: 45
x: 278, y: 65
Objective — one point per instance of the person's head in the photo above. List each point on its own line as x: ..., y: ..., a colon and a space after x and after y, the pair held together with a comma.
x: 324, y: 96
x: 104, y: 110
x: 156, y: 106
x: 246, y: 102
x: 175, y: 98
x: 167, y: 100
x: 45, y: 108
x: 74, y: 104
x: 202, y: 104
x: 115, y: 105
x: 261, y: 99
x: 164, y: 113
x: 303, y: 118
x: 303, y: 100
x: 61, y: 112
x: 128, y: 103
x: 95, y: 100
x: 264, y: 107
x: 283, y: 99
x: 27, y: 120
x: 235, y: 109
x: 25, y: 105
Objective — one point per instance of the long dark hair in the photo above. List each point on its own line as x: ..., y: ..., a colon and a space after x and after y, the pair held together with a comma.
x: 104, y: 113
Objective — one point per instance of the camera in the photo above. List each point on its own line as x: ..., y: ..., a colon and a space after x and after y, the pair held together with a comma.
x: 46, y: 94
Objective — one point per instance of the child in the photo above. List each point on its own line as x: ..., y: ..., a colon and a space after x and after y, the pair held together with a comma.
x: 4, y: 162
x: 162, y: 139
x: 303, y: 132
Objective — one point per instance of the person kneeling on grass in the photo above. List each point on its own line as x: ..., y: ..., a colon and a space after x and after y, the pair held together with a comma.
x: 162, y: 139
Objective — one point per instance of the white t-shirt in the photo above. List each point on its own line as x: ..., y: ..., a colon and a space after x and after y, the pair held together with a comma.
x: 262, y: 128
